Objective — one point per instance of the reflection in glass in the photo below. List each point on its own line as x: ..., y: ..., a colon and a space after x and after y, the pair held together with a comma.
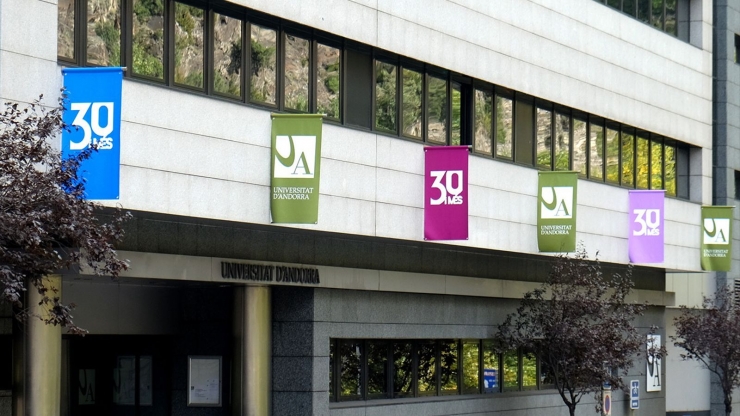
x: 456, y: 121
x: 483, y: 121
x: 579, y: 146
x: 511, y: 370
x: 504, y: 124
x: 628, y: 158
x: 596, y: 151
x: 403, y: 374
x: 377, y: 369
x: 544, y: 138
x: 386, y: 91
x: 670, y: 169
x: 145, y: 380
x: 189, y: 47
x: 643, y: 10
x: 643, y: 151
x: 448, y: 366
x: 628, y: 6
x: 328, y: 73
x: 670, y: 17
x: 656, y: 165
x: 427, y: 369
x: 562, y: 141
x: 471, y: 367
x: 66, y: 29
x: 104, y: 32
x: 437, y: 110
x: 263, y: 72
x: 614, y: 3
x: 412, y: 95
x: 296, y: 73
x: 524, y: 132
x: 227, y: 55
x: 491, y: 366
x: 350, y: 357
x: 612, y: 155
x: 529, y: 371
x: 148, y: 38
x: 657, y: 12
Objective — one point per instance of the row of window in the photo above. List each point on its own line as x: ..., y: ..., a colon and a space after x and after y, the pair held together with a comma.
x: 384, y: 369
x: 661, y: 14
x: 199, y: 46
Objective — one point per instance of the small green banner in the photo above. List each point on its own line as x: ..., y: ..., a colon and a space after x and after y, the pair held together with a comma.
x: 556, y: 212
x: 295, y: 167
x: 716, y: 238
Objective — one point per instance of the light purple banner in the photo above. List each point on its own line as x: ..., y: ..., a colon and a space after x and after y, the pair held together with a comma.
x: 646, y: 226
x: 446, y: 193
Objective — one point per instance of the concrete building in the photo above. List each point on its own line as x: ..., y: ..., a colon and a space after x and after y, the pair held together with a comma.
x: 620, y: 92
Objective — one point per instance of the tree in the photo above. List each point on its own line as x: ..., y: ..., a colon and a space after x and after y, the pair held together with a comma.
x: 580, y: 325
x: 712, y: 337
x: 46, y: 225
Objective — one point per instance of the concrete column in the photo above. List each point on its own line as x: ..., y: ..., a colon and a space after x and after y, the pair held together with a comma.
x: 253, y: 351
x: 38, y: 350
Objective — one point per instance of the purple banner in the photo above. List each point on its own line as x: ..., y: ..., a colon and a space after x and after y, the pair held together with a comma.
x: 646, y: 226
x: 446, y: 193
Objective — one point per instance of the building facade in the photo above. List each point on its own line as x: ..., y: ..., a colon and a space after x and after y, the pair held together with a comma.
x: 224, y: 312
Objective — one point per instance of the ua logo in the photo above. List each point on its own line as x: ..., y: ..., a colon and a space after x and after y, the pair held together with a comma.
x: 557, y: 202
x: 716, y: 231
x: 449, y: 192
x: 295, y: 156
x: 102, y: 132
x: 648, y: 220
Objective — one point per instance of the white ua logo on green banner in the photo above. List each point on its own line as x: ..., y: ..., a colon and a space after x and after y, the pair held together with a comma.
x: 557, y: 202
x: 716, y: 238
x: 556, y: 212
x: 295, y: 156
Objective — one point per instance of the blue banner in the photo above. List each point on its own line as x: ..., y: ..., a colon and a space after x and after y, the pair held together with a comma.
x: 93, y: 113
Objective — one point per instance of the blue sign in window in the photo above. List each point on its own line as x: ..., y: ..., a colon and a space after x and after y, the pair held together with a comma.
x: 490, y: 378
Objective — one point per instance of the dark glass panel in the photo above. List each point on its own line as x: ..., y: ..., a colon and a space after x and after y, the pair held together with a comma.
x: 656, y: 164
x: 350, y: 382
x: 403, y: 372
x: 482, y: 137
x: 227, y: 55
x: 104, y: 32
x: 671, y: 26
x: 612, y: 155
x: 437, y: 110
x: 629, y: 7
x: 643, y: 151
x: 628, y: 158
x: 529, y: 371
x: 189, y: 47
x: 544, y: 138
x: 580, y: 146
x: 449, y: 371
x: 643, y: 10
x: 524, y: 133
x: 562, y: 141
x: 386, y: 96
x: 471, y: 367
x: 547, y: 377
x: 511, y: 370
x: 670, y: 169
x: 617, y: 4
x: 328, y: 78
x: 263, y: 60
x: 297, y: 64
x: 657, y: 14
x: 148, y: 38
x: 66, y: 29
x: 682, y: 172
x: 377, y: 370
x: 360, y: 76
x: 491, y: 368
x: 427, y: 368
x: 412, y: 96
x: 456, y: 121
x: 596, y: 150
x: 332, y: 352
x: 504, y: 127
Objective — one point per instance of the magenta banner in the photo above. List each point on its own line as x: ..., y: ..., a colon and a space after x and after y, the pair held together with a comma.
x: 446, y: 193
x: 646, y: 226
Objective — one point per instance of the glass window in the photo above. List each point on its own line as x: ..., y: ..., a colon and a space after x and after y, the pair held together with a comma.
x: 263, y: 58
x: 547, y: 376
x: 456, y: 121
x: 448, y: 366
x: 350, y: 357
x: 682, y: 171
x: 529, y: 371
x: 657, y: 14
x: 670, y: 17
x: 427, y: 368
x: 524, y: 133
x: 511, y: 370
x: 656, y: 164
x: 328, y: 76
x: 359, y: 74
x: 643, y: 151
x: 403, y: 372
x: 614, y: 3
x: 436, y: 110
x: 628, y: 158
x: 332, y: 351
x: 643, y: 10
x: 612, y: 154
x: 670, y: 169
x: 483, y: 121
x: 66, y: 29
x: 297, y: 64
x: 189, y: 47
x: 491, y: 368
x: 471, y: 367
x: 628, y: 6
x: 596, y: 150
x: 148, y: 38
x: 377, y: 370
x: 386, y: 91
x: 504, y: 127
x: 412, y: 96
x: 104, y: 32
x: 544, y: 138
x: 562, y: 141
x: 580, y: 144
x: 227, y: 55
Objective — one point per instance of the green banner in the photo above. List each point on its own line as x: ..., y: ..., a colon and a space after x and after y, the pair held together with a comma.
x: 295, y: 167
x: 556, y: 212
x: 716, y: 238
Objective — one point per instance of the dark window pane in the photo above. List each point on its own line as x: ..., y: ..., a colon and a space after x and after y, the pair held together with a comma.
x: 612, y: 155
x: 386, y: 96
x: 66, y: 29
x: 332, y: 352
x: 148, y: 38
x: 682, y: 172
x: 547, y: 378
x: 670, y: 170
x: 529, y: 371
x: 483, y: 121
x: 656, y: 165
x: 511, y: 370
x: 360, y: 76
x: 328, y: 76
x: 643, y: 10
x: 297, y: 65
x: 448, y: 366
x: 403, y: 374
x: 456, y: 122
x: 524, y: 131
x: 471, y: 367
x: 427, y: 369
x: 671, y: 26
x: 189, y: 45
x: 263, y: 55
x: 562, y: 141
x: 437, y: 110
x: 504, y: 127
x: 491, y: 368
x: 377, y: 370
x: 614, y: 3
x: 596, y: 151
x: 544, y: 138
x: 657, y: 14
x: 628, y: 158
x: 643, y: 151
x: 350, y: 383
x: 104, y: 32
x: 580, y: 144
x: 629, y: 7
x: 412, y: 95
x: 227, y: 55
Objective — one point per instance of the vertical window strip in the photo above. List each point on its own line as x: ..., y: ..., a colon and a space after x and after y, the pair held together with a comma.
x: 412, y: 93
x: 483, y: 123
x: 148, y: 39
x: 562, y: 141
x: 544, y: 148
x: 296, y: 72
x: 437, y: 105
x: 386, y: 96
x: 580, y: 146
x: 66, y: 30
x: 612, y: 154
x: 103, y: 46
x: 328, y: 80
x: 227, y: 55
x: 504, y: 127
x: 263, y: 62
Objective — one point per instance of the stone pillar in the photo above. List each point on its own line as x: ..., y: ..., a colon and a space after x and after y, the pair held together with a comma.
x: 252, y: 351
